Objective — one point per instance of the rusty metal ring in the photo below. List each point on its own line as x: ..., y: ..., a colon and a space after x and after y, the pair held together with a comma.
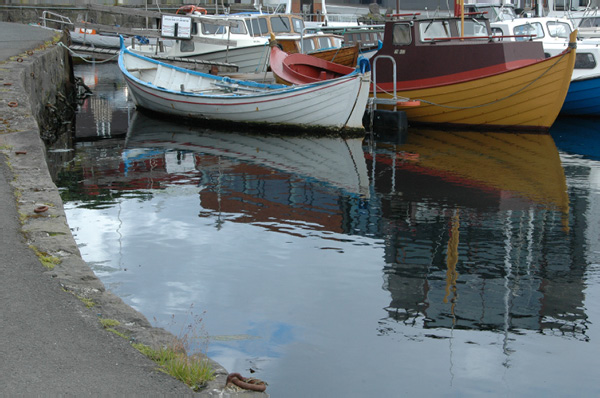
x: 246, y: 383
x: 19, y: 59
x: 29, y: 52
x: 13, y: 104
x: 41, y: 209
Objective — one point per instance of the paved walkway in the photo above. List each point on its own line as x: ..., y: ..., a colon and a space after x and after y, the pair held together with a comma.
x: 50, y: 342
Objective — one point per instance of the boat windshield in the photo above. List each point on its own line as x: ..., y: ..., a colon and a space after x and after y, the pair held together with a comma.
x: 213, y: 29
x: 281, y: 24
x: 591, y: 22
x: 434, y: 30
x: 559, y: 29
x: 529, y: 29
x: 497, y: 13
x: 258, y: 26
x: 474, y: 28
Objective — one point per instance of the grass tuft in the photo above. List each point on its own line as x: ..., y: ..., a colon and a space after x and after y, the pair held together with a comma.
x: 46, y: 259
x: 195, y: 371
x: 109, y: 323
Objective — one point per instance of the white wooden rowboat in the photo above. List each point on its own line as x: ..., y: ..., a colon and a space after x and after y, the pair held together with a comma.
x: 337, y: 104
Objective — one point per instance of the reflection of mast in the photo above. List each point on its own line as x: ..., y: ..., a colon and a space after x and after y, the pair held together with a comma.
x: 451, y: 260
x: 219, y: 223
x: 507, y: 290
x: 102, y: 116
x: 452, y: 277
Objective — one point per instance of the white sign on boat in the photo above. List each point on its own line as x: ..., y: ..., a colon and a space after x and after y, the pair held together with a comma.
x: 176, y: 27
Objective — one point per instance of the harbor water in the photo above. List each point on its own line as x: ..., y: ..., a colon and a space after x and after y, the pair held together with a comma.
x: 458, y: 264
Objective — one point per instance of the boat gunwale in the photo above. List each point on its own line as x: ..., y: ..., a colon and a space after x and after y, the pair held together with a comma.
x: 274, y: 89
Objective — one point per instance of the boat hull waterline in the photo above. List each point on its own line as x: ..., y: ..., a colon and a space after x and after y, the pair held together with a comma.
x: 528, y: 98
x: 337, y: 104
x: 523, y: 92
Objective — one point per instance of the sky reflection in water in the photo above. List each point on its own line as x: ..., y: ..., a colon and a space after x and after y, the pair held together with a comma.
x: 458, y: 264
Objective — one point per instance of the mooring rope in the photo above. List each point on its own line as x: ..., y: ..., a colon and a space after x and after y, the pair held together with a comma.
x: 84, y: 58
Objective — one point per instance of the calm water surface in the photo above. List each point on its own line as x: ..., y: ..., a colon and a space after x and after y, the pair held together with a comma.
x: 457, y: 264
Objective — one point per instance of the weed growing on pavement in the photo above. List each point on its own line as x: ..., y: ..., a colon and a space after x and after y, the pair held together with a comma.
x: 89, y: 303
x: 46, y: 259
x: 109, y: 325
x: 194, y: 370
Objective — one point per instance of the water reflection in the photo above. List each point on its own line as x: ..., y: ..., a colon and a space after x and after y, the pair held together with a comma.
x: 475, y: 252
x: 103, y: 114
x: 577, y: 136
x: 338, y: 260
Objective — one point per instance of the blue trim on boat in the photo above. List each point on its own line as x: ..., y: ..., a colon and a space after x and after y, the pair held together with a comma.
x: 583, y: 98
x: 273, y: 88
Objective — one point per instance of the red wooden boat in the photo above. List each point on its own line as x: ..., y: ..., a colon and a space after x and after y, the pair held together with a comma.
x: 302, y: 68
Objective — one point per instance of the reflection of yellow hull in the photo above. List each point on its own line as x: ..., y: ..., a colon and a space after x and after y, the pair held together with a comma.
x: 528, y: 98
x: 524, y: 165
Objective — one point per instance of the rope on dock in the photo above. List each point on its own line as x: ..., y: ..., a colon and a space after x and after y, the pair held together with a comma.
x: 83, y: 57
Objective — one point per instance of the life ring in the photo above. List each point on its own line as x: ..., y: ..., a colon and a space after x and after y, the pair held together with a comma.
x: 87, y: 31
x: 190, y: 9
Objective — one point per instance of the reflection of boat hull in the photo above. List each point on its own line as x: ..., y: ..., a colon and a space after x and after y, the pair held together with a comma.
x: 522, y: 165
x: 334, y: 161
x: 577, y: 136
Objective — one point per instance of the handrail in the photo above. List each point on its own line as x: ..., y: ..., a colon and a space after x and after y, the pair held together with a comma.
x: 375, y: 99
x: 412, y: 14
x: 432, y: 39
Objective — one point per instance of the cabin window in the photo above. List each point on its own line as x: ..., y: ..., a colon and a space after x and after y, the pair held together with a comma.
x: 212, y: 29
x: 280, y: 24
x: 474, y: 28
x: 308, y: 45
x: 529, y: 29
x: 194, y: 28
x: 401, y: 34
x: 434, y: 30
x: 258, y: 26
x: 239, y: 28
x: 186, y: 46
x: 298, y: 24
x: 324, y: 42
x: 585, y: 61
x: 558, y: 29
x: 498, y: 34
x: 589, y: 23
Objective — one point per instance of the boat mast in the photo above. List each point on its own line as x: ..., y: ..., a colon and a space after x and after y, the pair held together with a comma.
x: 459, y: 9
